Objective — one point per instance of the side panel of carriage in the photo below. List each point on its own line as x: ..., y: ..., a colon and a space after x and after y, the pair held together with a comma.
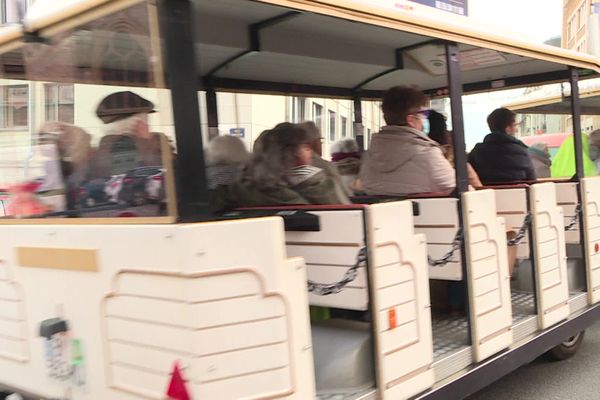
x: 236, y: 321
x: 591, y: 213
x: 487, y: 267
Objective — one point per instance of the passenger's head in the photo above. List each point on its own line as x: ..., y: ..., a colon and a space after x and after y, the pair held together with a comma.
x: 502, y: 120
x: 594, y: 140
x: 134, y: 125
x: 344, y: 148
x: 73, y: 143
x: 540, y: 149
x: 286, y: 146
x: 438, y: 130
x: 261, y: 140
x: 226, y: 150
x: 314, y: 135
x: 122, y: 105
x: 404, y: 105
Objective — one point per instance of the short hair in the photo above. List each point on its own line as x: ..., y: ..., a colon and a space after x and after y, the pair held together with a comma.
x: 500, y: 119
x: 595, y: 137
x: 399, y: 102
x: 313, y: 131
x: 226, y: 150
x: 348, y: 145
x: 437, y: 127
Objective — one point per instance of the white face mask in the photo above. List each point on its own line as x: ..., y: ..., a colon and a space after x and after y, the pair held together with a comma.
x: 425, y: 128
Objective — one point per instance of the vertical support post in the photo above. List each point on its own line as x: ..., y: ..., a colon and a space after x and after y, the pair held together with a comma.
x: 576, y: 114
x: 458, y: 134
x: 358, y: 127
x: 190, y: 175
x: 578, y: 141
x: 212, y: 113
x: 460, y: 155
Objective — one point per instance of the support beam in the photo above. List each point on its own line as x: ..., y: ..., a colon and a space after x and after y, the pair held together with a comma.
x: 576, y: 114
x: 358, y: 127
x: 458, y: 134
x: 212, y: 113
x: 180, y: 62
x: 254, y: 39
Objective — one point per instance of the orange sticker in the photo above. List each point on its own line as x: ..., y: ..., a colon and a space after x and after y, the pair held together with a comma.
x: 392, y: 318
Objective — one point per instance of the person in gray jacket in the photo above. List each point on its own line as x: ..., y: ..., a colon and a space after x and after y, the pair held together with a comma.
x: 401, y: 159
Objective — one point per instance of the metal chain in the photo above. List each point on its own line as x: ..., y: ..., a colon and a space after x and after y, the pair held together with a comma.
x: 325, y: 289
x: 521, y: 233
x: 575, y: 219
x: 456, y: 242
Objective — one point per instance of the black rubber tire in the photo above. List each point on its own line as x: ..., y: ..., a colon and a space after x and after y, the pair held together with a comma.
x: 566, y: 349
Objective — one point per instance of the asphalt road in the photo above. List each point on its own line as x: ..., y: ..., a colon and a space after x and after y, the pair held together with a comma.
x: 575, y: 378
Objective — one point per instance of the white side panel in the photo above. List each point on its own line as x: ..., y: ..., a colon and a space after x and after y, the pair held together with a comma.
x: 512, y: 206
x: 14, y: 345
x: 487, y: 266
x: 550, y: 255
x: 566, y: 197
x: 330, y: 252
x: 438, y: 221
x: 591, y: 213
x: 401, y: 304
x: 219, y: 297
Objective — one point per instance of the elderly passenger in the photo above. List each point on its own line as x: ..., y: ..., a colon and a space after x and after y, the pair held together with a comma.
x: 226, y: 156
x: 345, y: 156
x: 281, y: 173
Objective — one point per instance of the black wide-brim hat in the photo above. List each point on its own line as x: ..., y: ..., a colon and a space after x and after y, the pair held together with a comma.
x: 121, y: 105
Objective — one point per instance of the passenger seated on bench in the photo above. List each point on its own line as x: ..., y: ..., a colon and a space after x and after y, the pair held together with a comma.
x: 438, y: 131
x: 345, y: 155
x: 502, y: 157
x: 280, y: 173
x: 226, y: 157
x: 401, y: 159
x: 330, y: 169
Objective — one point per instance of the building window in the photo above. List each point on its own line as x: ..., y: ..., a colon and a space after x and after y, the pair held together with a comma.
x: 332, y: 118
x: 14, y: 107
x: 12, y: 11
x: 297, y: 109
x: 344, y: 126
x: 59, y: 102
x: 317, y: 115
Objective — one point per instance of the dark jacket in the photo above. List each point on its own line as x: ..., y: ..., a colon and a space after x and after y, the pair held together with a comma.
x: 501, y: 158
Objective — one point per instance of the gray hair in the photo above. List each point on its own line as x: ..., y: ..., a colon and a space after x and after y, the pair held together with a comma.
x: 595, y: 137
x: 347, y: 145
x: 226, y: 150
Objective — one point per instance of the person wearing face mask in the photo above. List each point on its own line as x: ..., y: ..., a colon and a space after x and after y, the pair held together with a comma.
x: 502, y: 158
x: 401, y: 159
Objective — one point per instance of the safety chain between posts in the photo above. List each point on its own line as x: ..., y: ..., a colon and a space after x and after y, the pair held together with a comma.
x: 575, y: 219
x: 521, y: 233
x: 456, y: 242
x: 325, y: 289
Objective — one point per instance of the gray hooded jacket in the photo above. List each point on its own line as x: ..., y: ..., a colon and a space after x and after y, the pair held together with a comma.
x: 402, y: 160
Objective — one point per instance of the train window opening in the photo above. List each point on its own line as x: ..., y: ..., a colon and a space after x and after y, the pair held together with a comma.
x: 84, y: 114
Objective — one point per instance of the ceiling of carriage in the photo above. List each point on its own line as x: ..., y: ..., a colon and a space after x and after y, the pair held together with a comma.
x: 312, y: 49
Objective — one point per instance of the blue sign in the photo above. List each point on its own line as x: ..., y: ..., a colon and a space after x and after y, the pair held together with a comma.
x: 459, y: 7
x: 239, y: 132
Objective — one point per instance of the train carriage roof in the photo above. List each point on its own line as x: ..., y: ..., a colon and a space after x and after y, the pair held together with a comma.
x: 337, y: 47
x: 589, y: 101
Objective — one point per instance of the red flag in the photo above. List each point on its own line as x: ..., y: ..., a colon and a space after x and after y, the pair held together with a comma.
x: 177, y: 389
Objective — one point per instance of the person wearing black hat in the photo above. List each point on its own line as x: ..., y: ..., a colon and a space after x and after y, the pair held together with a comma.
x: 128, y: 142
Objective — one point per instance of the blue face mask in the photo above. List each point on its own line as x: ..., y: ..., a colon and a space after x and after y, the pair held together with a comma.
x: 426, y: 126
